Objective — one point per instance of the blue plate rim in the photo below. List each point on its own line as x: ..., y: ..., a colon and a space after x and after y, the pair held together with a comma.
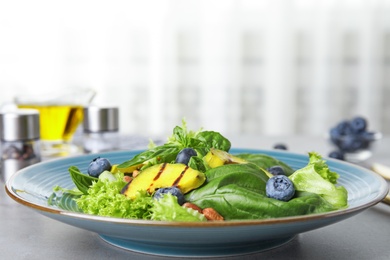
x: 383, y: 190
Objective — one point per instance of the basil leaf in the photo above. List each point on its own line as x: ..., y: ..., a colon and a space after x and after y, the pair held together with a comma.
x: 180, y: 135
x: 215, y: 140
x: 81, y: 180
x: 159, y: 154
x: 197, y: 163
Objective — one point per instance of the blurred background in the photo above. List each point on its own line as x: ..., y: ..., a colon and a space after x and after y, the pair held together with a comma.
x: 268, y: 67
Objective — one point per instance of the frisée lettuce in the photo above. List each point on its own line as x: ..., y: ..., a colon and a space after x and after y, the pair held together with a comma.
x: 104, y: 199
x: 167, y: 209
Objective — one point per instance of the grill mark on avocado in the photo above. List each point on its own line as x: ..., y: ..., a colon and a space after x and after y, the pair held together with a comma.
x: 162, y: 168
x: 180, y: 176
x: 160, y: 172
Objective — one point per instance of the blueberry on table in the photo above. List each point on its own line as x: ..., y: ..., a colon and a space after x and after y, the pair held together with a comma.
x: 351, y: 143
x: 280, y: 146
x: 185, y: 155
x: 98, y: 165
x: 334, y: 134
x: 175, y: 191
x: 344, y: 128
x: 368, y: 136
x: 358, y: 124
x: 280, y: 187
x: 276, y: 170
x: 336, y: 155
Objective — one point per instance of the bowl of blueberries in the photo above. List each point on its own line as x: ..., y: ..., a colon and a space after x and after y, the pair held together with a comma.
x: 353, y: 140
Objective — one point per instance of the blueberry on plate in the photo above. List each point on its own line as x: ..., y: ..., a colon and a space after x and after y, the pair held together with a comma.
x: 98, y: 165
x: 280, y: 187
x: 185, y: 155
x: 336, y: 155
x: 175, y: 191
x: 276, y: 170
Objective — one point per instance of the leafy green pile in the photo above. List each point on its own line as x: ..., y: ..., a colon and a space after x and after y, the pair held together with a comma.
x: 236, y: 191
x: 104, y: 199
x: 200, y: 141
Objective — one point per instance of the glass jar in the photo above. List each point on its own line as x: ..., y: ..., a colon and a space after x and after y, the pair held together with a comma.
x: 20, y: 140
x: 100, y: 129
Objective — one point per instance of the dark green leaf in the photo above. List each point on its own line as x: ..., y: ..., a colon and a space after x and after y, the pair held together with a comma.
x: 266, y: 161
x: 197, y: 163
x: 159, y: 154
x: 247, y: 176
x: 215, y: 140
x: 81, y: 180
x: 236, y: 202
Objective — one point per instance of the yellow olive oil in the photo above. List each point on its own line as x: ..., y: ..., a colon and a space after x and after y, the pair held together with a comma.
x: 57, y: 122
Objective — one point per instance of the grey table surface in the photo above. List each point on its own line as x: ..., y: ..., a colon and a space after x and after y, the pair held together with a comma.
x: 26, y: 234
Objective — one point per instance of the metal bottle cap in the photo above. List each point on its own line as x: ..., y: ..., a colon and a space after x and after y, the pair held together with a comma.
x: 101, y: 119
x: 19, y: 124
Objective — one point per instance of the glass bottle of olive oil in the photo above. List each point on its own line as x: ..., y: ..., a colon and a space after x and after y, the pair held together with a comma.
x: 58, y: 122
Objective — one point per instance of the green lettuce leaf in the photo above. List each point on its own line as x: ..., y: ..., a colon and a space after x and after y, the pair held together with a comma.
x: 322, y: 168
x: 167, y: 209
x: 317, y: 178
x: 104, y: 198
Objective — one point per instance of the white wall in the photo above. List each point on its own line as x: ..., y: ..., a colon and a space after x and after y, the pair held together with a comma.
x: 256, y: 66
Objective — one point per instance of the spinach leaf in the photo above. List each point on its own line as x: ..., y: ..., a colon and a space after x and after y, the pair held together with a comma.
x: 247, y: 176
x: 237, y: 191
x: 235, y: 202
x: 81, y: 180
x: 244, y: 168
x: 265, y: 161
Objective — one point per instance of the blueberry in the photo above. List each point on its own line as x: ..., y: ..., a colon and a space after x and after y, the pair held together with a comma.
x: 280, y: 187
x: 364, y: 140
x: 368, y: 136
x: 98, y: 165
x: 351, y: 143
x: 185, y: 155
x: 334, y: 134
x: 336, y: 155
x: 276, y: 170
x: 351, y: 136
x: 344, y: 128
x: 358, y: 124
x: 280, y: 147
x: 175, y: 191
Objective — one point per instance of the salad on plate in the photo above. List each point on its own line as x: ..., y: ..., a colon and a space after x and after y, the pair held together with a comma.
x: 194, y: 177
